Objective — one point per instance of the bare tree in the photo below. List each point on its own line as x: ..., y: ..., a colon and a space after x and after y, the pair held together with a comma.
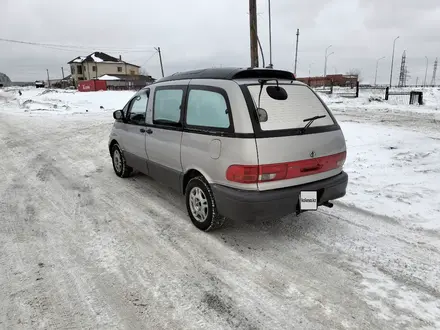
x: 355, y: 72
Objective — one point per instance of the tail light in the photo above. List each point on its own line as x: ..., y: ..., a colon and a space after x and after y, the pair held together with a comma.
x: 242, y: 174
x: 272, y: 172
x: 284, y: 171
x: 341, y: 160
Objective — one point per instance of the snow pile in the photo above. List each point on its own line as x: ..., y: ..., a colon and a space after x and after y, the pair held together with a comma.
x: 61, y: 101
x: 7, y: 97
x: 394, y: 172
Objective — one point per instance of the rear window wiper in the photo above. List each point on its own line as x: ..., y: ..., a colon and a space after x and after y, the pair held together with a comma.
x: 310, y: 122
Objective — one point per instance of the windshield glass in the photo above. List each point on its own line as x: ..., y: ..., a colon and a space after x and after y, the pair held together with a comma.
x: 300, y: 104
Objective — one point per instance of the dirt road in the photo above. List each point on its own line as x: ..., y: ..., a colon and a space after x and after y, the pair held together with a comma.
x: 83, y: 249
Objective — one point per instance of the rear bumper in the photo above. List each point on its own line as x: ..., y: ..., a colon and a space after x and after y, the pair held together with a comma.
x: 249, y: 205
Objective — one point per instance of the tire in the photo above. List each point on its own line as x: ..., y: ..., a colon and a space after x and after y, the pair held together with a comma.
x: 198, y: 193
x: 119, y: 164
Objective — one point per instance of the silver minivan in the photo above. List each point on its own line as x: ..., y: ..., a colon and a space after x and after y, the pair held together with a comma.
x: 239, y: 143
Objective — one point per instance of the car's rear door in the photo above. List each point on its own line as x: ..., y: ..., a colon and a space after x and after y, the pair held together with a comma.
x: 288, y: 156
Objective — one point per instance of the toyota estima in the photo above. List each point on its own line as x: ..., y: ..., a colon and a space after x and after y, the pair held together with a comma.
x: 238, y: 143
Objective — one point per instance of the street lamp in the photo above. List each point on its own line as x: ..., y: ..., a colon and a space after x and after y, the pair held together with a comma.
x: 327, y: 56
x: 377, y: 65
x: 325, y: 63
x: 392, y: 61
x: 426, y: 71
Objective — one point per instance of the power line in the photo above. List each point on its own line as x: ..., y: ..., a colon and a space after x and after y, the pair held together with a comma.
x: 149, y: 58
x: 76, y: 48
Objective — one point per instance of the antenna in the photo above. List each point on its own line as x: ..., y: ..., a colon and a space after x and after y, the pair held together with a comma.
x: 296, y: 51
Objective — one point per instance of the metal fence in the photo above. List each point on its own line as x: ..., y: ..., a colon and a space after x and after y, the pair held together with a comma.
x: 396, y: 95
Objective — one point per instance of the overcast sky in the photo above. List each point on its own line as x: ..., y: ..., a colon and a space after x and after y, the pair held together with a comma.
x: 196, y: 34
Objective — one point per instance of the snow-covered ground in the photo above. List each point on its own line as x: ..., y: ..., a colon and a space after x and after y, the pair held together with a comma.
x: 82, y: 248
x: 52, y: 102
x: 374, y: 100
x: 395, y: 173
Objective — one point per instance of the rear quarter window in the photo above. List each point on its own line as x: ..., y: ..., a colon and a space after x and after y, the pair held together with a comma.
x: 207, y: 109
x: 300, y: 104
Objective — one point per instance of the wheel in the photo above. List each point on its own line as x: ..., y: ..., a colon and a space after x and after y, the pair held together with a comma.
x: 201, y: 206
x: 119, y: 164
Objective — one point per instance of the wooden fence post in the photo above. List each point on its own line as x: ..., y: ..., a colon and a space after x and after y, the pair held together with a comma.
x: 387, y: 92
x: 357, y: 89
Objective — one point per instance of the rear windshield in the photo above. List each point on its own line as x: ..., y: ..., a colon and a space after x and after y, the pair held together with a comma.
x: 301, y: 103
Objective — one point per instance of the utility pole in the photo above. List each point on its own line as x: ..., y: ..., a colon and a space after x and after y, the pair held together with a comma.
x: 253, y: 33
x: 160, y: 59
x: 48, y: 79
x: 392, y: 61
x: 377, y: 65
x: 270, y: 37
x: 296, y: 51
x: 417, y: 81
x: 62, y: 72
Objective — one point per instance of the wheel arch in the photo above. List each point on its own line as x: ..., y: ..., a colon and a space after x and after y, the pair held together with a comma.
x: 111, y: 144
x: 192, y: 173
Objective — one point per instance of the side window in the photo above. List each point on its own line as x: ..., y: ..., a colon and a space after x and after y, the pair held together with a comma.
x: 207, y: 109
x: 167, y: 104
x: 138, y: 109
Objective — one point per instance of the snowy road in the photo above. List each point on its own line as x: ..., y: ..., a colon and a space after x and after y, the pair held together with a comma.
x: 83, y: 249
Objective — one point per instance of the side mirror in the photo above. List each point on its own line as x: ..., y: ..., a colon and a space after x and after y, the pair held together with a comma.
x: 262, y: 115
x: 118, y: 115
x: 276, y: 92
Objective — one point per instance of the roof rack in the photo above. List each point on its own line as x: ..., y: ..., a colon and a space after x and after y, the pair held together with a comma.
x: 230, y: 74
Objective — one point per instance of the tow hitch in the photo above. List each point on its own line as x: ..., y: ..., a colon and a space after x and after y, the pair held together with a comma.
x: 328, y: 204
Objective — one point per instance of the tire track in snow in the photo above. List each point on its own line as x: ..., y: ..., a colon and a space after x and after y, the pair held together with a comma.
x: 124, y: 254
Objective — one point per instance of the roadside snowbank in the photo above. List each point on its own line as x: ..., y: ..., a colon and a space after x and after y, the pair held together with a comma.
x: 373, y: 100
x: 394, y: 172
x: 55, y: 101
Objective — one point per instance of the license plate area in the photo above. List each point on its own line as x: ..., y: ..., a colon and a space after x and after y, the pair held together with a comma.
x: 308, y: 200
